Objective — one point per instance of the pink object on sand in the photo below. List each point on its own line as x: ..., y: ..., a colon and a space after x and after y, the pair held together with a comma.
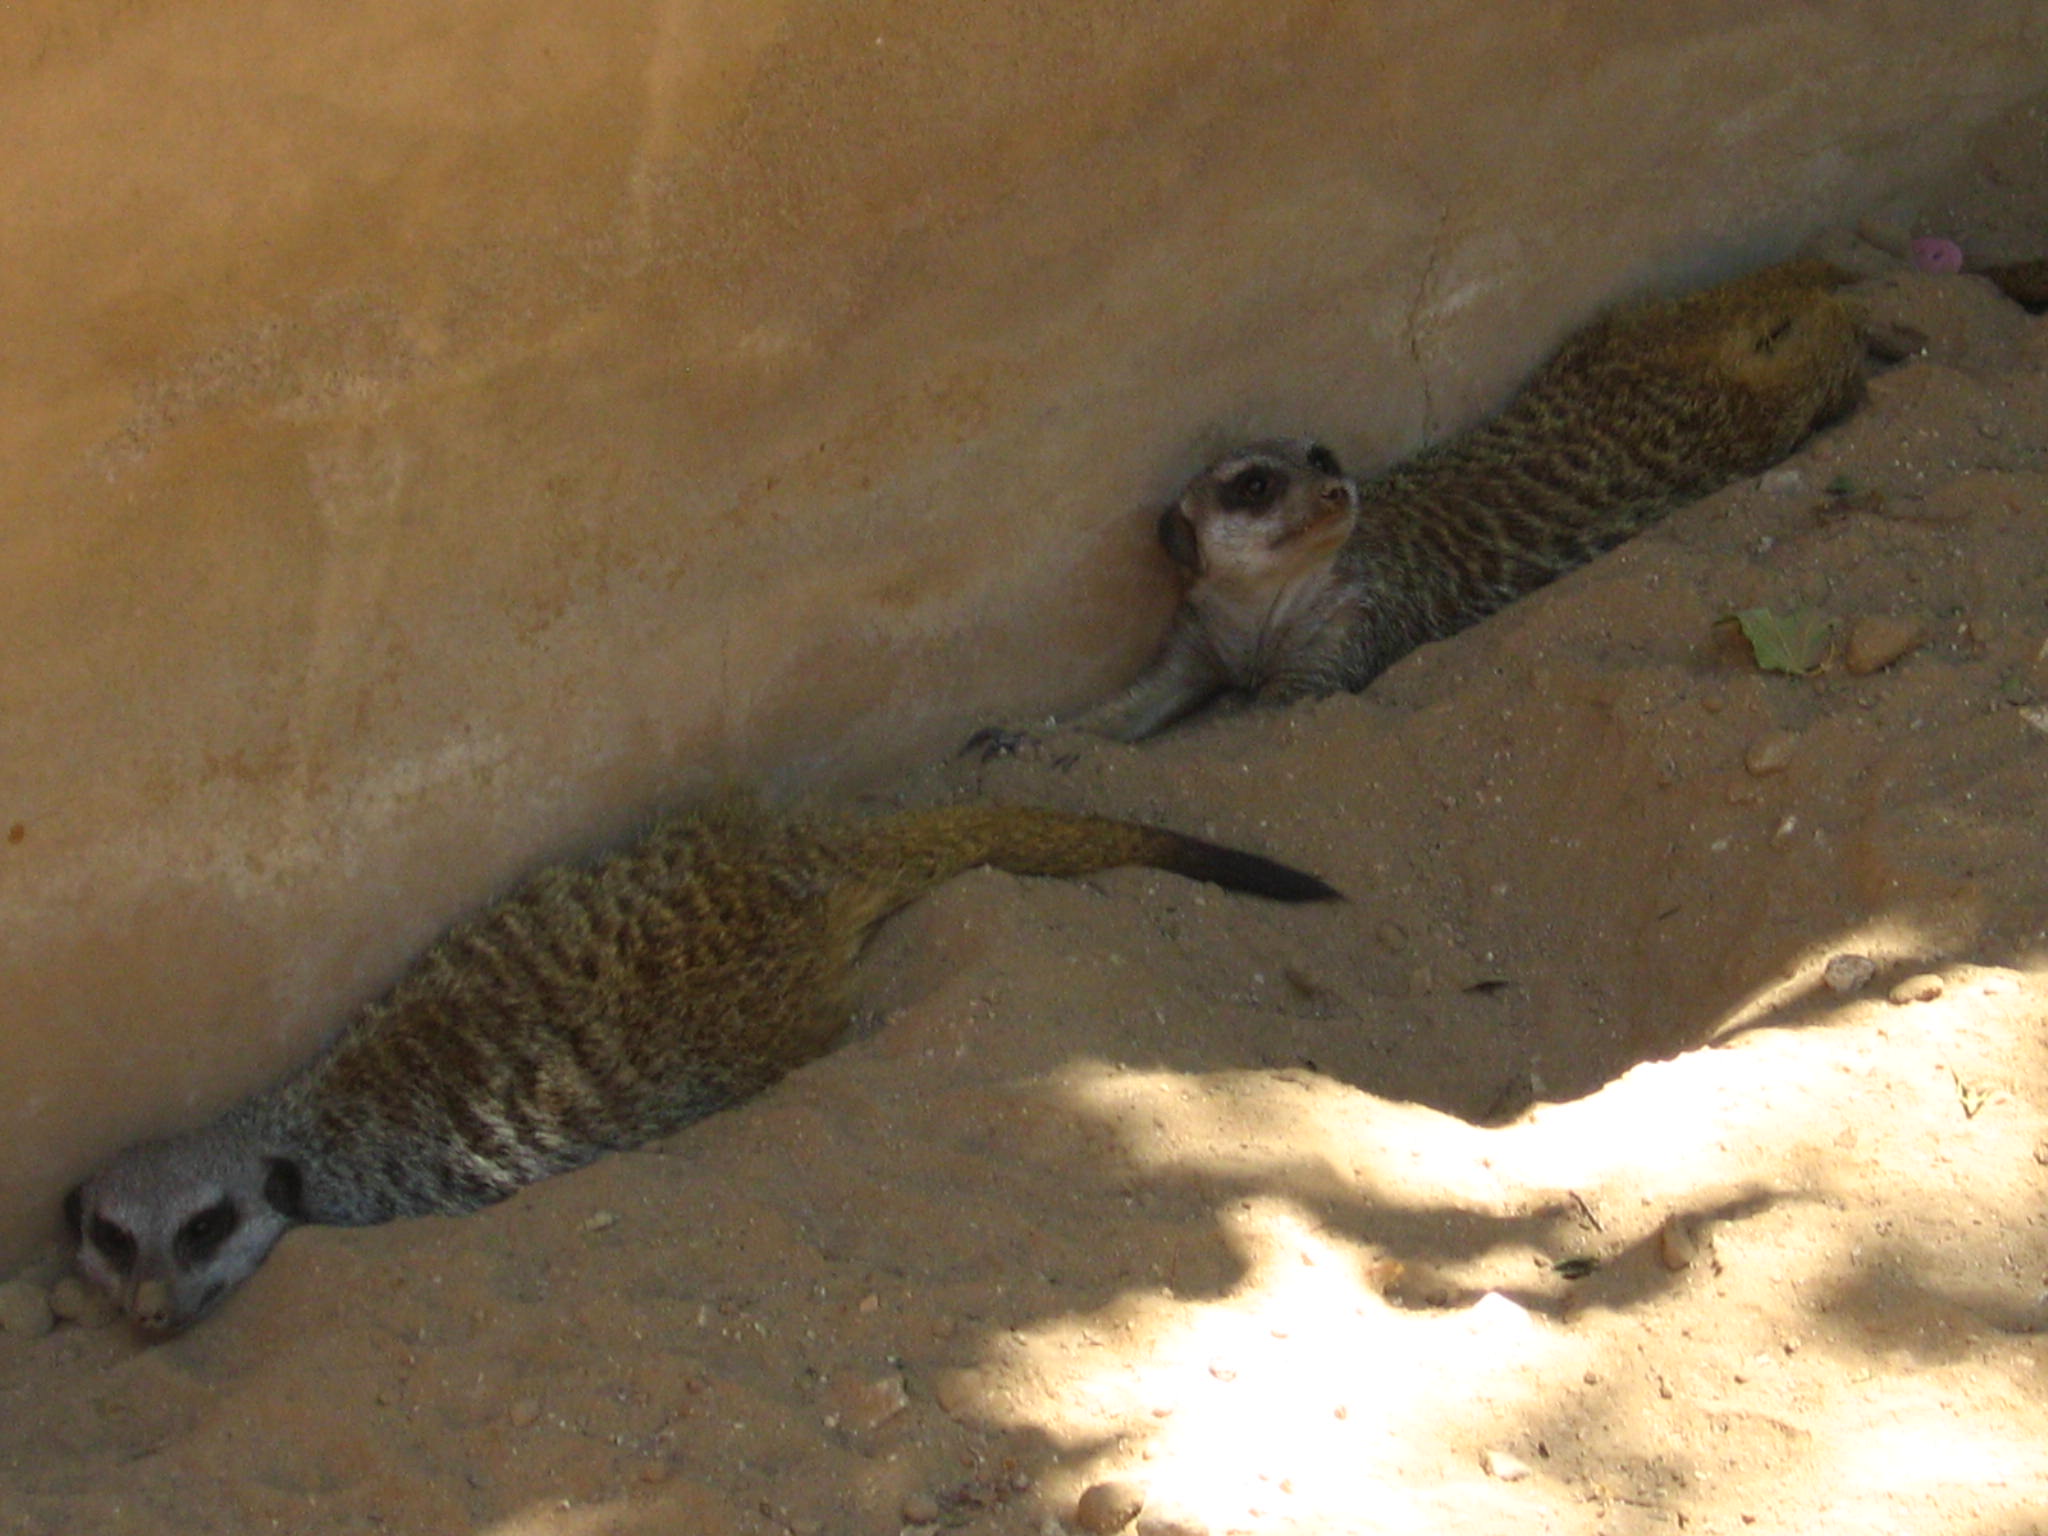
x: 1931, y: 253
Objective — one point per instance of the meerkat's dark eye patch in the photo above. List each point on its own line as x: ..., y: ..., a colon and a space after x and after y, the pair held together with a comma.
x: 1322, y: 461
x: 201, y: 1236
x: 115, y: 1243
x: 1253, y: 489
x: 74, y: 1212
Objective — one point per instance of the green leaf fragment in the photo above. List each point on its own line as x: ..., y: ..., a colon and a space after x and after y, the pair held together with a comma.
x: 1794, y: 642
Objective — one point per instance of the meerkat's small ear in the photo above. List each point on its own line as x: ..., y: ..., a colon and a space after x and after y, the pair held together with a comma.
x: 1177, y: 538
x: 285, y: 1188
x: 1322, y: 461
x: 74, y: 1212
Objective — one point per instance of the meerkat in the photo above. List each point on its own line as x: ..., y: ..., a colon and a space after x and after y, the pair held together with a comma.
x: 1301, y: 581
x: 590, y: 1009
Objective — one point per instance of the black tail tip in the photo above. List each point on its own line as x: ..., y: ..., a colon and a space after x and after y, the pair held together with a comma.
x: 1253, y: 874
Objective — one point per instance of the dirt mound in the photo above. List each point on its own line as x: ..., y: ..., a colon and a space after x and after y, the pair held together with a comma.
x: 1440, y: 1211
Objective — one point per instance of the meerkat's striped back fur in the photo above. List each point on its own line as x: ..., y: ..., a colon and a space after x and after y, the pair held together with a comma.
x: 590, y: 1009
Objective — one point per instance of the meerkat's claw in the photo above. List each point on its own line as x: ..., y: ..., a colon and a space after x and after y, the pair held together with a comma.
x: 994, y: 741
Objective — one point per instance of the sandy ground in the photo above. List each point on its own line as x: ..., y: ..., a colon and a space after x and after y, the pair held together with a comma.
x: 1547, y: 1185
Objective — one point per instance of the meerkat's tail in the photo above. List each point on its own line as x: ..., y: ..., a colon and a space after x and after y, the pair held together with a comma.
x: 898, y: 858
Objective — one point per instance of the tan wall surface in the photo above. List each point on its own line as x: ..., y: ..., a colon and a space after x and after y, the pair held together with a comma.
x: 436, y: 433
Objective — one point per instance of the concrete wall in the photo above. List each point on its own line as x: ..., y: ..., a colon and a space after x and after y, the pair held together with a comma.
x: 434, y: 432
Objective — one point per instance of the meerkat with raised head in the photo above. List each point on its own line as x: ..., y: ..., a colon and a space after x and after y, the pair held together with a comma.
x: 590, y: 1009
x: 1301, y: 581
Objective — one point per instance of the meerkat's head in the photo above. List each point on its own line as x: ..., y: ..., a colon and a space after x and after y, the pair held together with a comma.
x: 1262, y: 514
x: 168, y: 1228
x: 1788, y: 337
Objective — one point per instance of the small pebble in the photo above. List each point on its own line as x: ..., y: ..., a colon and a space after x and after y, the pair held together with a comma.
x: 920, y: 1509
x: 1848, y: 973
x: 865, y: 1403
x: 73, y: 1301
x: 524, y: 1412
x: 1924, y: 988
x: 960, y: 1392
x: 1383, y: 1274
x: 1108, y: 1507
x: 1677, y: 1244
x: 1877, y: 640
x: 1784, y: 481
x: 1508, y: 1468
x: 25, y: 1309
x: 1770, y: 753
x: 599, y: 1220
x: 1223, y: 1370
